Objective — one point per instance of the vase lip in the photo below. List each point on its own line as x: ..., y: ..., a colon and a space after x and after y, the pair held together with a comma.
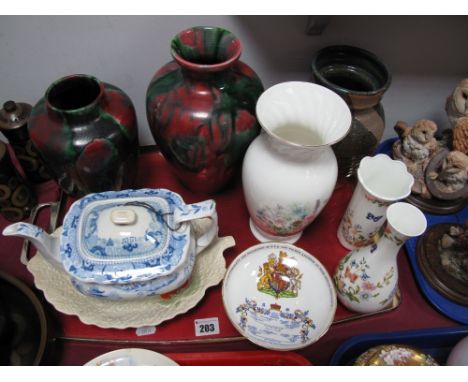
x: 316, y: 87
x: 372, y: 172
x: 357, y: 51
x: 232, y: 57
x: 74, y: 77
x: 406, y: 219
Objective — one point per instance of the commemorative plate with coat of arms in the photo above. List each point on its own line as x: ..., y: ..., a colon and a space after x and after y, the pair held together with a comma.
x: 279, y: 296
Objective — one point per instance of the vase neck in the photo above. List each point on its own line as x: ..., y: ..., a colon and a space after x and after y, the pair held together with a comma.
x: 207, y: 76
x: 404, y: 221
x: 391, y: 238
x: 292, y: 150
x: 77, y: 98
x: 205, y: 50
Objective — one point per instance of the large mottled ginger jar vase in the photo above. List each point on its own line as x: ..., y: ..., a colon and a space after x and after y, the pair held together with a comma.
x: 201, y: 108
x: 86, y: 132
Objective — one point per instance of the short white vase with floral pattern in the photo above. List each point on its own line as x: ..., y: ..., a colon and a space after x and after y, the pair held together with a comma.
x: 382, y: 181
x: 290, y: 170
x: 366, y: 279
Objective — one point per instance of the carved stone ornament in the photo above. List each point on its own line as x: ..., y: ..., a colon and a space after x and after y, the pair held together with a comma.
x: 447, y: 175
x: 416, y: 147
x: 456, y: 105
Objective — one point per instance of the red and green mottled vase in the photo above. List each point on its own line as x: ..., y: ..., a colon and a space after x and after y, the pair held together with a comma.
x: 86, y: 132
x: 201, y: 108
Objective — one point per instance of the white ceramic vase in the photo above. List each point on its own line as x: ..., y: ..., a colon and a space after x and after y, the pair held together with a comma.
x: 381, y: 182
x: 366, y: 279
x: 289, y: 170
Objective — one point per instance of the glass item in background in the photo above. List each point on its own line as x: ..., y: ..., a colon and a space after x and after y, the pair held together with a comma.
x: 381, y: 181
x: 14, y: 125
x: 17, y: 198
x: 366, y: 279
x: 86, y: 132
x: 201, y: 108
x: 290, y: 171
x: 361, y: 78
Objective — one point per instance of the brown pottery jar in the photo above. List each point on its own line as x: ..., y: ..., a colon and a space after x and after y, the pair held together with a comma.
x: 361, y: 79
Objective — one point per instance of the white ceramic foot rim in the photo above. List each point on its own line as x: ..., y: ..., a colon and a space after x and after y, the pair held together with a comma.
x: 264, y: 237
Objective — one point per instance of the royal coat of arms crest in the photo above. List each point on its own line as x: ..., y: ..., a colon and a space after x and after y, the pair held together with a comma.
x: 278, y: 278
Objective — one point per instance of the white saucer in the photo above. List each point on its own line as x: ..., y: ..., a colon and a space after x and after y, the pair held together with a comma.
x: 132, y: 357
x: 279, y: 296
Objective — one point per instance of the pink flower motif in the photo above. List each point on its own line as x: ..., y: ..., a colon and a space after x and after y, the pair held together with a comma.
x: 367, y: 285
x: 279, y: 221
x: 341, y: 284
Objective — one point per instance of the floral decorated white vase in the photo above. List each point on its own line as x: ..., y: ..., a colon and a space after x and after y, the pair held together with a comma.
x: 366, y: 279
x: 381, y: 182
x: 289, y: 170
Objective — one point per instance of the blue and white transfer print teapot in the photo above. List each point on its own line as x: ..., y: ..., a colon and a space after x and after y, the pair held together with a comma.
x: 126, y: 244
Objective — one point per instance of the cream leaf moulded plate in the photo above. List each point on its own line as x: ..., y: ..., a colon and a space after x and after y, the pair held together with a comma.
x: 209, y: 270
x: 279, y: 296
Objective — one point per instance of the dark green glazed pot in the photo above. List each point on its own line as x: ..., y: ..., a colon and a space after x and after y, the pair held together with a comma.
x: 86, y: 132
x: 201, y: 108
x: 361, y: 79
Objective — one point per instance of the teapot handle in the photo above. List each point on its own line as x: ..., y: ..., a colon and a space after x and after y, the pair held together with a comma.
x: 205, y: 209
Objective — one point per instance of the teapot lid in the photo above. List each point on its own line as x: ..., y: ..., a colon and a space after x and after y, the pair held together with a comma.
x: 124, y: 236
x: 14, y: 115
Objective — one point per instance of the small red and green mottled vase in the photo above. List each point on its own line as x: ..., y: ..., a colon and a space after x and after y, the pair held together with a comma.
x: 86, y: 132
x: 201, y: 108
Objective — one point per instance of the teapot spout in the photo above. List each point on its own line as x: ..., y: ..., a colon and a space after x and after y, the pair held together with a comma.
x: 46, y: 244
